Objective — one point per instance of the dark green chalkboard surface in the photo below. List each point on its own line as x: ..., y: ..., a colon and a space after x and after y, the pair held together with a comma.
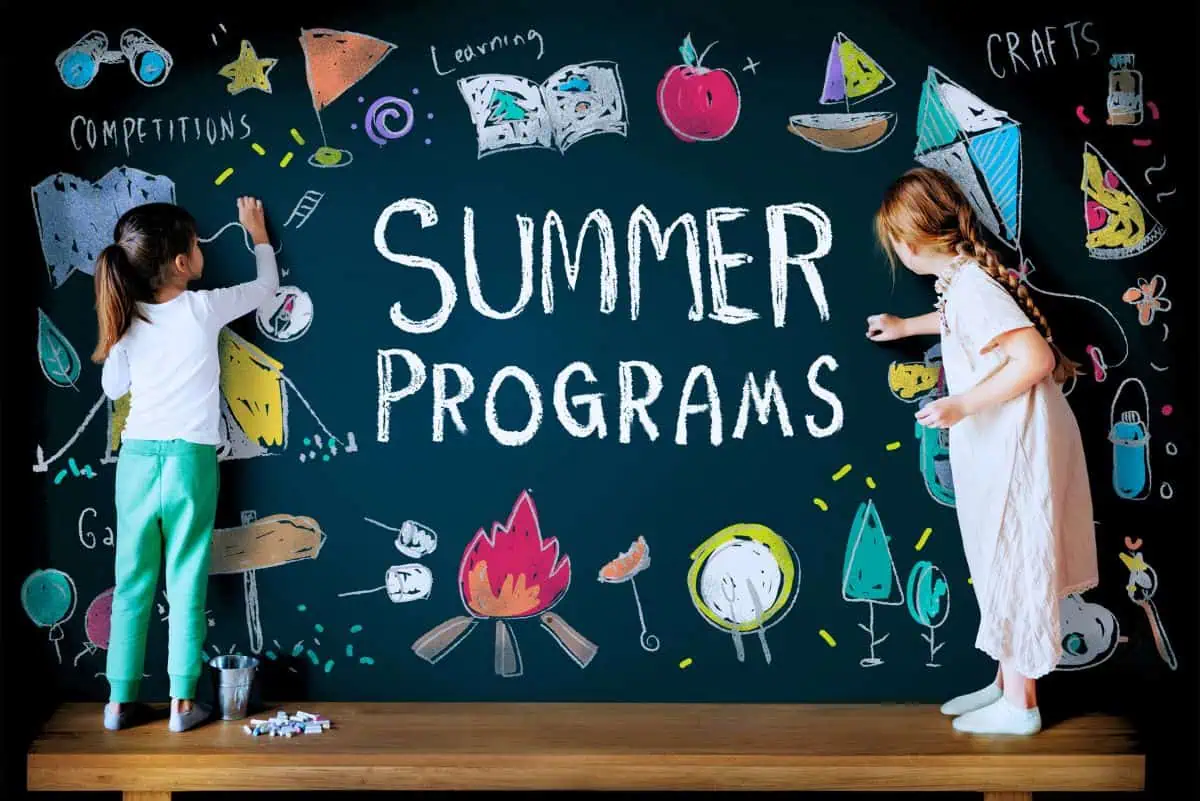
x: 400, y: 521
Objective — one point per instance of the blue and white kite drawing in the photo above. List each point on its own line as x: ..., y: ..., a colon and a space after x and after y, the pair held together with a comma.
x: 979, y: 146
x: 75, y: 217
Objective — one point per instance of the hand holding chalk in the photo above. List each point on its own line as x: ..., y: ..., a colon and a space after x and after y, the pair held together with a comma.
x: 250, y: 215
x: 885, y: 328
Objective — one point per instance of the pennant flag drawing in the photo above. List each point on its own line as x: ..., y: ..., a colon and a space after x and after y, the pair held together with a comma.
x: 1118, y: 224
x: 333, y: 62
x: 851, y: 76
x: 979, y: 146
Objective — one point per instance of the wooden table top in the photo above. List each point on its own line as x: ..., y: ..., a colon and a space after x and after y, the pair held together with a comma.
x: 588, y: 745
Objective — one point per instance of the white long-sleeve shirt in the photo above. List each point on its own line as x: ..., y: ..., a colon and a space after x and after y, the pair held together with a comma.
x: 170, y: 365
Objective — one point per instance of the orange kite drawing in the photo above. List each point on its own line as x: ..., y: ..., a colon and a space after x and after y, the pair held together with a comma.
x: 333, y: 62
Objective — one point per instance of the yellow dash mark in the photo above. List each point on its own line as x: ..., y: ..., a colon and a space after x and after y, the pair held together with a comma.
x: 893, y: 446
x: 685, y: 663
x: 924, y: 538
x: 870, y: 482
x: 296, y: 135
x: 824, y: 507
x: 839, y: 475
x: 970, y: 581
x: 257, y: 148
x: 223, y: 176
x: 286, y: 160
x: 827, y: 637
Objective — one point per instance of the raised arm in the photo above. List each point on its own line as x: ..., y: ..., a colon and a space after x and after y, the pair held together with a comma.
x: 228, y: 304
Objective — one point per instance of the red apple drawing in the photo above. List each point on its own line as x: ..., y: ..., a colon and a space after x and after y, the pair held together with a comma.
x: 698, y: 104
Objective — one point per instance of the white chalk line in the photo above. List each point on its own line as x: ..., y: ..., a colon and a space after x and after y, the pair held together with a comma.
x: 43, y: 464
x: 1095, y: 302
x: 1149, y: 170
x: 307, y: 405
x: 245, y: 236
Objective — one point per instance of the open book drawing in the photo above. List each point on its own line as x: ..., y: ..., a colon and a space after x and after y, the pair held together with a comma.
x: 513, y: 113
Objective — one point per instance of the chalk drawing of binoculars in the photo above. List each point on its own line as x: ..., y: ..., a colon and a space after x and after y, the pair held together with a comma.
x: 148, y: 61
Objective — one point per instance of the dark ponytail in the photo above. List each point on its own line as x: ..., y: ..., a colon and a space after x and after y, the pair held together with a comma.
x: 147, y: 239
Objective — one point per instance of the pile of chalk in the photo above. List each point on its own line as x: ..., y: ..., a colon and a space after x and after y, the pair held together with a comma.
x: 283, y: 726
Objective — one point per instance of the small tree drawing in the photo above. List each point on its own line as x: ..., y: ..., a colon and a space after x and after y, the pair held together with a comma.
x: 928, y: 602
x: 869, y: 574
x: 505, y: 108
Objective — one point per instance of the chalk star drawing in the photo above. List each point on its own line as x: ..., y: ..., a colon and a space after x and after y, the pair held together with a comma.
x: 751, y: 65
x: 248, y: 71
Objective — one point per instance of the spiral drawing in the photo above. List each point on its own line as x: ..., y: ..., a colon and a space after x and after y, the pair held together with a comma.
x: 386, y: 108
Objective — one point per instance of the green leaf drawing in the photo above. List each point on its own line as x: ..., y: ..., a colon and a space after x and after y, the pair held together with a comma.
x: 60, y: 363
x: 688, y: 51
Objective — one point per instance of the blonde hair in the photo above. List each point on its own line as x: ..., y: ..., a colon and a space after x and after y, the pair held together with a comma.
x: 924, y: 208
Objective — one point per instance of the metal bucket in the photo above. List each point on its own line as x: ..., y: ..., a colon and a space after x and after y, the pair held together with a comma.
x: 234, y: 677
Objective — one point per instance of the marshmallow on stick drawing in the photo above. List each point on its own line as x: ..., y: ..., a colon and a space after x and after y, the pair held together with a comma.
x: 403, y: 583
x: 269, y: 542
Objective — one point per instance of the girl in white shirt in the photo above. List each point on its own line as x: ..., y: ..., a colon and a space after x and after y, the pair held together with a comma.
x: 158, y: 342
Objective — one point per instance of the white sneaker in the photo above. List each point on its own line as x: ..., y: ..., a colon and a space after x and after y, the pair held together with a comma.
x: 963, y: 704
x: 1001, y: 717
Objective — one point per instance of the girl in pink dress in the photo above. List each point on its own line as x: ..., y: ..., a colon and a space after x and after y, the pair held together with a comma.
x: 1020, y: 479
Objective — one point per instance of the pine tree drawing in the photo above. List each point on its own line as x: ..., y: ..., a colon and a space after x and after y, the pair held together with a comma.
x: 505, y: 107
x: 869, y: 574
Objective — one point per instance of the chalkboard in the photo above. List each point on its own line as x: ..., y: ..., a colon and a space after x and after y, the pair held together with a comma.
x: 472, y: 453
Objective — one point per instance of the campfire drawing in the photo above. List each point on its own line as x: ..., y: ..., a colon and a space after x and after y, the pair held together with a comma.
x: 512, y: 574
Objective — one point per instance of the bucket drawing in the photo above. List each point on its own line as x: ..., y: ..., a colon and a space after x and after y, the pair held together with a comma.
x: 1130, y: 438
x: 234, y: 677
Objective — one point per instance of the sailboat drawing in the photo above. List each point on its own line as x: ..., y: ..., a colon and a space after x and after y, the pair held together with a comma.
x: 851, y: 76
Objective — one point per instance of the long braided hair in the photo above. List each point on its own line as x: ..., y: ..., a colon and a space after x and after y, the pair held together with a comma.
x: 925, y: 208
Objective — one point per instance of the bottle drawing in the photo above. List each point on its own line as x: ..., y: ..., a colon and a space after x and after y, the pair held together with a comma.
x: 1124, y: 91
x: 1130, y: 439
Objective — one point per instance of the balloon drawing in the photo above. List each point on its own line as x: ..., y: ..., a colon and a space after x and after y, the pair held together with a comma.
x: 97, y: 624
x: 744, y: 579
x: 48, y: 597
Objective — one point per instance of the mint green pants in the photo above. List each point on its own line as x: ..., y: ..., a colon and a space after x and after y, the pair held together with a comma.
x: 166, y: 505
